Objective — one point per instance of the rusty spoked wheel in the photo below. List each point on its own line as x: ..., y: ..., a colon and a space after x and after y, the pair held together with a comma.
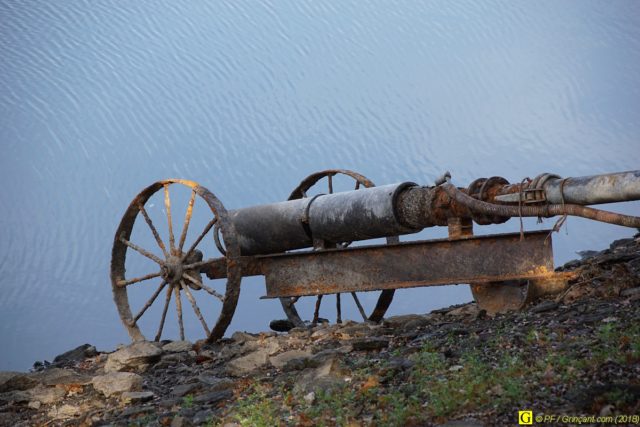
x: 172, y: 262
x: 386, y: 296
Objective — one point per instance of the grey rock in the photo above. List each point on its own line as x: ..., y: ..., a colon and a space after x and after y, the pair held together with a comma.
x: 47, y: 395
x: 243, y: 337
x: 15, y: 396
x: 136, y: 357
x: 326, y: 376
x: 178, y: 346
x: 245, y: 364
x: 169, y: 403
x: 64, y: 411
x: 117, y: 382
x: 136, y: 396
x: 10, y: 381
x: 184, y: 389
x: 397, y: 322
x: 280, y: 360
x: 544, y: 306
x: 76, y: 355
x: 414, y: 324
x: 60, y: 376
x: 216, y: 384
x: 203, y: 417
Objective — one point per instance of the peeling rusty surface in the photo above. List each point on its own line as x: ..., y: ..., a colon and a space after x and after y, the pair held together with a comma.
x: 411, y: 264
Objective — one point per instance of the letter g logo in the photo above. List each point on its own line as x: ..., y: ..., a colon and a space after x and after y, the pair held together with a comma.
x: 525, y: 418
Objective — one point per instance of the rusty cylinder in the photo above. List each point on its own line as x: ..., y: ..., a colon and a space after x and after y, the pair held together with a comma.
x: 362, y: 214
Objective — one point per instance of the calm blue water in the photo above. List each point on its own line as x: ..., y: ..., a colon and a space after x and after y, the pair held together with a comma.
x: 99, y: 99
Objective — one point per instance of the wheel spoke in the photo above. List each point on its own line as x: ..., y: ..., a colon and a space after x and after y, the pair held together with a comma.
x: 194, y: 306
x: 164, y: 314
x: 142, y: 251
x: 176, y: 290
x: 357, y: 185
x: 199, y: 264
x: 187, y: 220
x: 153, y: 229
x: 330, y: 179
x: 316, y: 313
x: 211, y: 291
x: 167, y: 206
x: 338, y: 309
x: 148, y: 303
x: 139, y: 279
x: 200, y: 237
x: 357, y: 300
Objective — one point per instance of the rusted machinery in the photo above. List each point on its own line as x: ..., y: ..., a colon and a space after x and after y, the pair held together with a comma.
x: 505, y: 271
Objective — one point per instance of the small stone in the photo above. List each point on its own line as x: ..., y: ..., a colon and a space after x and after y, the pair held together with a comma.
x: 397, y: 322
x: 456, y: 368
x: 215, y: 383
x: 179, y: 422
x: 470, y: 309
x: 281, y: 325
x: 370, y: 343
x: 117, y: 382
x: 203, y: 417
x: 310, y: 397
x: 135, y: 357
x: 136, y: 396
x: 64, y: 411
x: 415, y: 324
x: 329, y: 374
x: 178, y: 347
x: 544, y: 306
x: 34, y: 404
x: 184, y: 389
x: 243, y: 337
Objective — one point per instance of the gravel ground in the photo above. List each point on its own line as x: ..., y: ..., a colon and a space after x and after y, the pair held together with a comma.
x: 575, y: 354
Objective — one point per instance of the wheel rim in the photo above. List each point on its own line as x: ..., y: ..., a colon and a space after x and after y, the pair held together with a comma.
x: 177, y: 268
x: 385, y: 297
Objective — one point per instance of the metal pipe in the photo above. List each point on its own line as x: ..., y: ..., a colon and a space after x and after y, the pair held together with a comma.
x: 584, y: 190
x: 405, y: 208
x: 596, y: 189
x: 358, y: 215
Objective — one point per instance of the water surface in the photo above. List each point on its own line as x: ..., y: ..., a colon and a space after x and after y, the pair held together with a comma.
x: 99, y: 99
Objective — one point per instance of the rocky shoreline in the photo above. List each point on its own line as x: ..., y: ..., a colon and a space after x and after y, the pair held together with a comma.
x: 577, y: 353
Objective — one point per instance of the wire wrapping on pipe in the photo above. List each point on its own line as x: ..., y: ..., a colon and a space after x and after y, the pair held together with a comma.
x: 542, y: 211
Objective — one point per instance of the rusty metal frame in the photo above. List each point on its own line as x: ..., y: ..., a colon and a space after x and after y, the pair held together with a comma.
x: 472, y: 259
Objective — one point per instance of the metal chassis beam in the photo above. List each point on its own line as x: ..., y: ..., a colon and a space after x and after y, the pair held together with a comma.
x: 468, y: 259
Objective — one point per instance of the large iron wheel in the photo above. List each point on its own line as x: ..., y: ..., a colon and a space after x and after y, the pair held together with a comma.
x: 385, y: 297
x: 177, y: 270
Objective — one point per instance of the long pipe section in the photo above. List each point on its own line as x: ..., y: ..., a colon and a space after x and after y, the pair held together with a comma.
x: 406, y: 208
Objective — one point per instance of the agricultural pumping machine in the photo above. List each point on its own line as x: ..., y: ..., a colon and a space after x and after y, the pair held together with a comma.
x: 302, y: 246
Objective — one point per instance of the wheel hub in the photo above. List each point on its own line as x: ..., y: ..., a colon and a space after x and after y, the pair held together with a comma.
x: 173, y: 269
